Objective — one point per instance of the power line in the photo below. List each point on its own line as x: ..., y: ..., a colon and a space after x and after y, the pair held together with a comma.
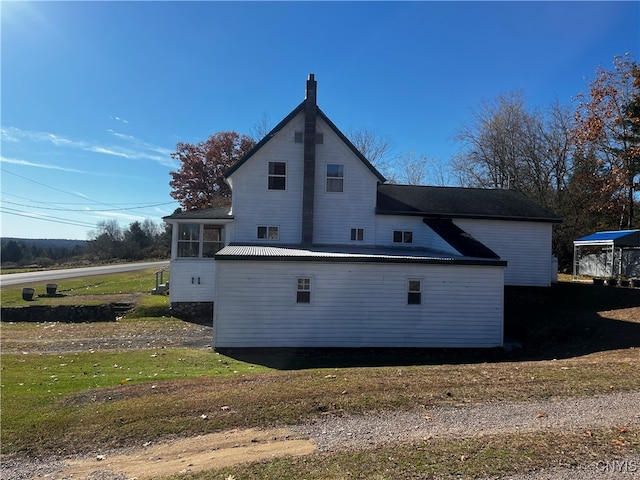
x: 46, y: 218
x: 142, y: 204
x: 56, y: 189
x: 88, y: 210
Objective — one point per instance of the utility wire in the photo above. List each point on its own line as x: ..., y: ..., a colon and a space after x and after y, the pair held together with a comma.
x: 56, y: 189
x: 142, y: 204
x: 87, y: 210
x: 47, y: 218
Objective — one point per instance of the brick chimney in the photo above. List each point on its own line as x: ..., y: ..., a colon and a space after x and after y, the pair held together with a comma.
x: 310, y: 113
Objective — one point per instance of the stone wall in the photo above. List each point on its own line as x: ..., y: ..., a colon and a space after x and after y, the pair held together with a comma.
x: 60, y: 313
x: 194, y: 312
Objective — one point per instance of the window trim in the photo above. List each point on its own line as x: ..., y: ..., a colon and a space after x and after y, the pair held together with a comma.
x: 275, y: 176
x: 269, y: 229
x: 357, y: 234
x: 403, y: 234
x: 199, y: 243
x: 303, y: 295
x: 334, y: 178
x: 413, y: 295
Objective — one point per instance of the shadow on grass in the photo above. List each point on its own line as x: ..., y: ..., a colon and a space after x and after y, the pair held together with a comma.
x: 557, y: 322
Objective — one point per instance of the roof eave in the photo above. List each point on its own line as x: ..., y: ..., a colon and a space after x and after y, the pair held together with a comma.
x: 469, y: 216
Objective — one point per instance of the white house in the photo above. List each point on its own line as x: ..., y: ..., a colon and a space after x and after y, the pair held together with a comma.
x: 317, y: 250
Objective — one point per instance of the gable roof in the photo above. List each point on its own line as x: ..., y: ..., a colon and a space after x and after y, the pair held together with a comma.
x: 456, y: 202
x: 289, y: 118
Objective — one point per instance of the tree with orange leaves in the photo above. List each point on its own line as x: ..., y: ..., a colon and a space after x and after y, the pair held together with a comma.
x: 199, y: 182
x: 607, y: 138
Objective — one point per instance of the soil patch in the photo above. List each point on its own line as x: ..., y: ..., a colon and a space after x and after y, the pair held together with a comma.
x: 194, y: 454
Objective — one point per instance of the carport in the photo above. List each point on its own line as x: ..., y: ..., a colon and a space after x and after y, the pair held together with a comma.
x: 609, y: 254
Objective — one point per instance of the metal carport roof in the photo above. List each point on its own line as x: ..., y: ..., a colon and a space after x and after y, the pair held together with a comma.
x: 616, y: 238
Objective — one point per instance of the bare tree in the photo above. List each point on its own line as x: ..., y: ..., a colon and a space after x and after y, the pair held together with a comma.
x: 377, y: 148
x: 262, y: 127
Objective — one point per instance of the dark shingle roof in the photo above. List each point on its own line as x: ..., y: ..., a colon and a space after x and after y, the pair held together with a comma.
x: 216, y: 213
x: 454, y: 202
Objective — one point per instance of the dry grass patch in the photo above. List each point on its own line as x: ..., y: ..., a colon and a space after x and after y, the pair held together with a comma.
x: 468, y: 458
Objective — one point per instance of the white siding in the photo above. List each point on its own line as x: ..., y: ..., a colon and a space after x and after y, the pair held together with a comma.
x: 423, y: 236
x: 357, y: 305
x: 254, y: 204
x: 192, y: 280
x: 526, y: 246
x: 336, y: 213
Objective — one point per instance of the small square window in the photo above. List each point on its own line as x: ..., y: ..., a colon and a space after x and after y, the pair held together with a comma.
x: 357, y: 234
x: 414, y: 292
x: 303, y: 292
x: 401, y: 236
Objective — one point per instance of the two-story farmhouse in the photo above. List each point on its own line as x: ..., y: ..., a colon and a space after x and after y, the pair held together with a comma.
x: 317, y: 250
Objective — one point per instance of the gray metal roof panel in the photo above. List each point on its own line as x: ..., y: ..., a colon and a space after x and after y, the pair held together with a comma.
x: 345, y: 254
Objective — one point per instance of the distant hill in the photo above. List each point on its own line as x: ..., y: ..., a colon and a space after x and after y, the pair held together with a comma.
x: 45, y: 243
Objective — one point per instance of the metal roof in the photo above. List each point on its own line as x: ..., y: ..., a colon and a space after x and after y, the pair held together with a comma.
x: 347, y: 254
x: 618, y: 238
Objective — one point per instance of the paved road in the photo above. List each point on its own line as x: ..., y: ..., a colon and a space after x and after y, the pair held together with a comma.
x: 48, y: 275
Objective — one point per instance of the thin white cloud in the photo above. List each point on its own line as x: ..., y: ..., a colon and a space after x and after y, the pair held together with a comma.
x: 139, y: 150
x: 120, y: 119
x: 26, y: 163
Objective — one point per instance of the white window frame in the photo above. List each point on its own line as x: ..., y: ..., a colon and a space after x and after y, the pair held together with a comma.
x: 198, y: 241
x: 403, y: 234
x: 331, y: 179
x: 303, y: 281
x: 357, y: 234
x: 269, y: 231
x: 412, y: 293
x: 275, y: 176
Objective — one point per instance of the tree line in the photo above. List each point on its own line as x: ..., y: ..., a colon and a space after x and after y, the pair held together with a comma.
x: 580, y: 160
x: 107, y: 243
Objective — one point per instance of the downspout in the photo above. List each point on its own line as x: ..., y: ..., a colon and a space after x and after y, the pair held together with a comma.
x: 308, y: 186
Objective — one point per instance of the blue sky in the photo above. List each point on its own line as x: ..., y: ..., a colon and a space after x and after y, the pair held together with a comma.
x: 95, y: 95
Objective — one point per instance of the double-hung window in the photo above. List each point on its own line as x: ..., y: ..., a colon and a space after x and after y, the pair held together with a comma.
x: 303, y: 290
x: 277, y: 176
x: 402, y: 236
x: 414, y: 292
x: 335, y: 177
x: 268, y: 233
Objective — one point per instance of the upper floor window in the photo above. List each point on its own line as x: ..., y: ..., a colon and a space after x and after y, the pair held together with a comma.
x: 199, y: 240
x: 268, y: 233
x: 335, y: 177
x: 277, y: 175
x: 357, y: 234
x: 402, y: 236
